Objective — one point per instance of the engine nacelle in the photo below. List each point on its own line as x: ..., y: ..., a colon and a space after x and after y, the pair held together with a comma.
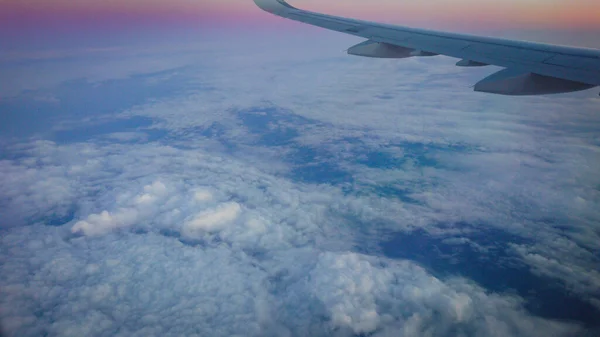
x: 519, y: 83
x: 371, y: 48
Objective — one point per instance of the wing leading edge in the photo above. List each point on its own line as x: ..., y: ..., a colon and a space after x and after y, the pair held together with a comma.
x: 531, y: 68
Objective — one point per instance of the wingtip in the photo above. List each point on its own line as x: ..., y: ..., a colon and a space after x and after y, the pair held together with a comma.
x: 277, y: 7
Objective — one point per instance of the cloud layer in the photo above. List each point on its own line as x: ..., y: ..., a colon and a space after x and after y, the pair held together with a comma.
x: 259, y: 198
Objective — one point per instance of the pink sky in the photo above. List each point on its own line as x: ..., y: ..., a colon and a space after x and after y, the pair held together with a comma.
x: 17, y: 15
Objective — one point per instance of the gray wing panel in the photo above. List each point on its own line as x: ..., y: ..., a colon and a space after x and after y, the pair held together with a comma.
x: 569, y: 63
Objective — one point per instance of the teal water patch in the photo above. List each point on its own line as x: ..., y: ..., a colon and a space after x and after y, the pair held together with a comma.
x: 394, y: 192
x: 427, y: 154
x: 482, y: 256
x: 36, y: 112
x: 380, y: 160
x: 220, y: 133
x: 58, y: 219
x: 314, y: 165
x: 134, y: 124
x: 321, y: 173
x: 274, y: 126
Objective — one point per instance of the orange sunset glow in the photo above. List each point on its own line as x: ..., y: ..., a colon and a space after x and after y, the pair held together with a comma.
x: 552, y: 14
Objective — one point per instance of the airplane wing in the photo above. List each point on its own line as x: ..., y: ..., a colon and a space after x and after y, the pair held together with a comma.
x: 530, y: 68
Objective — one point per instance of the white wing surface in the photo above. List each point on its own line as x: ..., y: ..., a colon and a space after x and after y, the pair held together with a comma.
x: 530, y: 68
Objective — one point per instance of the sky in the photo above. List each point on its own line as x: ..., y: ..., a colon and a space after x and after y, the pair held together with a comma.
x: 465, y: 14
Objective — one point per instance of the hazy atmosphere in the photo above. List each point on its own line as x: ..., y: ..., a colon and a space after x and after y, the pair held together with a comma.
x: 202, y: 168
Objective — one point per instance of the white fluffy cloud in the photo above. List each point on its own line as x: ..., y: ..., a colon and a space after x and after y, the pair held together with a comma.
x: 149, y: 285
x: 213, y: 220
x: 367, y: 295
x: 140, y: 208
x: 281, y: 264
